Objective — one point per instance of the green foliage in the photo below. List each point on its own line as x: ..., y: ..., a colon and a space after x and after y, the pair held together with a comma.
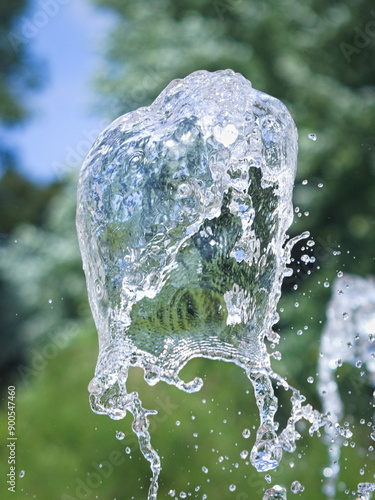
x: 17, y: 74
x: 22, y: 202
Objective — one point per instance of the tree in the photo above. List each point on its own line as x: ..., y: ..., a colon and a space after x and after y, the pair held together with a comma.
x: 18, y: 74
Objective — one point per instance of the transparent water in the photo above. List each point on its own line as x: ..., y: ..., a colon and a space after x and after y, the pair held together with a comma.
x: 348, y: 337
x: 183, y: 209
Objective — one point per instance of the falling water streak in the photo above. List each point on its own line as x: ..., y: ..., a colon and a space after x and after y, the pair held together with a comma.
x: 347, y: 337
x: 140, y: 428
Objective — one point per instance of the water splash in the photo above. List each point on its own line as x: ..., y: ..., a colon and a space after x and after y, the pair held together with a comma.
x: 348, y: 337
x: 182, y: 215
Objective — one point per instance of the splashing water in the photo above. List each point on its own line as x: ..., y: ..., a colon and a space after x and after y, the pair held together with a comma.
x: 183, y: 208
x: 348, y: 337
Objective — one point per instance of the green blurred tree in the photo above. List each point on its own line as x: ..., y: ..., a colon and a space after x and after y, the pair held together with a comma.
x: 19, y: 74
x: 20, y: 201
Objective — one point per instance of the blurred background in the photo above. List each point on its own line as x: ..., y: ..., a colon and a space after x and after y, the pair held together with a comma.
x: 68, y: 69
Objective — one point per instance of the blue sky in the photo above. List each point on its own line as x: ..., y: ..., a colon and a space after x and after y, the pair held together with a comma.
x: 68, y: 36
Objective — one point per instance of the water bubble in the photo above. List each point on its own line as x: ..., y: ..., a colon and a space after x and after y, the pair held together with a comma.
x: 296, y: 487
x: 312, y: 137
x: 120, y: 435
x: 246, y: 433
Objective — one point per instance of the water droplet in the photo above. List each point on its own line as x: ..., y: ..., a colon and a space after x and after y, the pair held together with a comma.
x: 21, y: 474
x: 326, y: 284
x: 296, y: 487
x: 171, y: 493
x: 178, y: 423
x: 345, y: 315
x: 232, y: 487
x: 244, y: 454
x: 310, y: 380
x: 120, y: 435
x: 128, y: 450
x: 246, y: 433
x: 268, y: 478
x: 340, y: 274
x: 205, y: 470
x: 50, y: 301
x: 305, y: 258
x: 312, y: 137
x: 304, y: 182
x: 327, y: 472
x: 320, y: 185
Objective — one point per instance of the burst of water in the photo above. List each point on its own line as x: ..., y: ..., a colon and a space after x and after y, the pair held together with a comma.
x: 182, y: 215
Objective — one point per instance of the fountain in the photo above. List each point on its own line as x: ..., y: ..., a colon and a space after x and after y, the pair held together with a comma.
x: 348, y: 337
x: 183, y: 208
